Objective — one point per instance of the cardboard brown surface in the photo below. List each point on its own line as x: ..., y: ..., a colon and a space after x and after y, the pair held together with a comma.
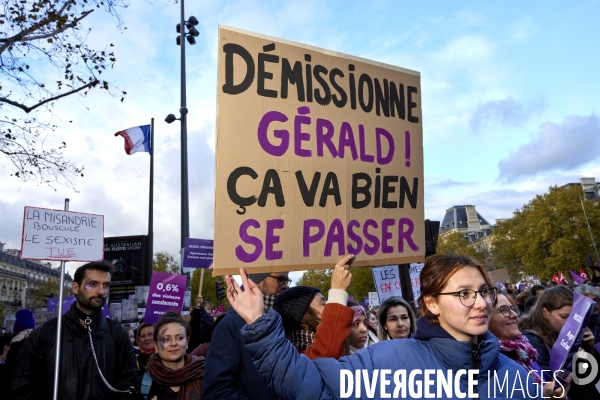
x: 499, y: 275
x: 279, y: 229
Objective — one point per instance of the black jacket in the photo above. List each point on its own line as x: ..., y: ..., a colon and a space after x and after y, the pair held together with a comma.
x: 229, y: 373
x: 79, y: 378
x: 202, y: 325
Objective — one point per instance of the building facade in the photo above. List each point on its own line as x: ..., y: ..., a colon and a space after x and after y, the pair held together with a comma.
x: 18, y: 277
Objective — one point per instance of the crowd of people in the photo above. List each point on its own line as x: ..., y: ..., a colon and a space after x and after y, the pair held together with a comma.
x: 277, y: 342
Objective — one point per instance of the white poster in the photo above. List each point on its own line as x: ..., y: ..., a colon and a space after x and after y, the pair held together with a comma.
x: 415, y: 280
x: 373, y: 299
x: 387, y: 282
x: 62, y: 235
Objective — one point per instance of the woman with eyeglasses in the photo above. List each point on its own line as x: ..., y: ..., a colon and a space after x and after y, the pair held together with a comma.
x: 504, y: 325
x: 451, y: 337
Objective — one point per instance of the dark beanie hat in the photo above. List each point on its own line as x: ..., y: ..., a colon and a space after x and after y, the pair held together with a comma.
x: 293, y: 303
x: 257, y: 278
x: 24, y: 321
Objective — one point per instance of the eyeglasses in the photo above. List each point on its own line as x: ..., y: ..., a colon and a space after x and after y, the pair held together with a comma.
x: 505, y: 310
x: 281, y: 280
x: 469, y: 296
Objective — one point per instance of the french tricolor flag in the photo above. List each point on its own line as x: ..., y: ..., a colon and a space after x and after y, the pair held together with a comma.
x: 137, y: 139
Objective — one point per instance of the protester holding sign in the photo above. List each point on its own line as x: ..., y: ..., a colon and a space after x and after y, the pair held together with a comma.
x: 315, y: 328
x: 543, y: 327
x: 452, y: 338
x: 396, y: 319
x: 543, y: 323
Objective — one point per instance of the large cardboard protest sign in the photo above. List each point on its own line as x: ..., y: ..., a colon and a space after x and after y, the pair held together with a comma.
x: 62, y: 235
x: 319, y: 154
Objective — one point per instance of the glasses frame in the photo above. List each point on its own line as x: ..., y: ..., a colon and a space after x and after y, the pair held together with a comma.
x: 280, y: 280
x: 514, y: 308
x: 476, y: 292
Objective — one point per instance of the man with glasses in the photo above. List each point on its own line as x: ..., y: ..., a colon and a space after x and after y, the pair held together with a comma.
x: 230, y: 372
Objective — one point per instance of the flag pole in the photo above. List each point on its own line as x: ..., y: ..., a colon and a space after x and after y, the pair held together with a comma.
x: 150, y: 242
x: 59, y: 319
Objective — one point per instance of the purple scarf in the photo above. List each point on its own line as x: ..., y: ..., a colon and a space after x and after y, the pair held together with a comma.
x: 524, y: 351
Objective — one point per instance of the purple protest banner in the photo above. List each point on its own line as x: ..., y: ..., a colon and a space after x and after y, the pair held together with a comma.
x: 571, y: 335
x: 166, y: 294
x: 198, y: 253
x: 67, y: 301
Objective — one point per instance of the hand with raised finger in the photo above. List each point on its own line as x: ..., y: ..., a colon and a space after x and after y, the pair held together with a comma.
x: 249, y: 303
x: 341, y: 278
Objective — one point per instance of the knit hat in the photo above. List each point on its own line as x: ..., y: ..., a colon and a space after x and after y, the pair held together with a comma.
x: 293, y: 303
x: 257, y: 278
x: 24, y: 321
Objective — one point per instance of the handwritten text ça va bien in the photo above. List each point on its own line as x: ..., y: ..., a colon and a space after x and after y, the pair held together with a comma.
x: 365, y: 190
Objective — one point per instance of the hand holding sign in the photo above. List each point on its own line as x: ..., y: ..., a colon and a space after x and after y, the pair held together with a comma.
x: 248, y: 303
x: 341, y: 278
x: 588, y: 340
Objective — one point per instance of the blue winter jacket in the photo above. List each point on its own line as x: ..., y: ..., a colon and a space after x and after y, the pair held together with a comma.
x: 293, y: 376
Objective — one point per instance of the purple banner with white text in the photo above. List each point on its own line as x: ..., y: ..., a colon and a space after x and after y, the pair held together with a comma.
x: 166, y: 294
x: 571, y: 335
x: 198, y: 253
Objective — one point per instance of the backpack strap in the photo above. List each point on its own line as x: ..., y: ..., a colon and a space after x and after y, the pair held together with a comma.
x: 146, y: 384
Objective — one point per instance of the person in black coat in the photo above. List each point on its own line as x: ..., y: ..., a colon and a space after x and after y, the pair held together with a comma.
x: 80, y: 378
x: 201, y: 323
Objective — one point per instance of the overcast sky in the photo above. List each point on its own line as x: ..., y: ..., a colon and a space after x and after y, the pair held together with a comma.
x: 509, y: 99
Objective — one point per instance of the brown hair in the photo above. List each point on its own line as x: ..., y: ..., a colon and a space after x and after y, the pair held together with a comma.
x: 435, y: 275
x: 310, y: 320
x: 552, y: 299
x: 523, y: 297
x: 172, y: 317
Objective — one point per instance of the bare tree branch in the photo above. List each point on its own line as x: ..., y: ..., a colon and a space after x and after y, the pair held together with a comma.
x: 41, y: 103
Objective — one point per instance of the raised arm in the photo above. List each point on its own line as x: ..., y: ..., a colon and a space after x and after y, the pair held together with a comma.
x: 287, y: 373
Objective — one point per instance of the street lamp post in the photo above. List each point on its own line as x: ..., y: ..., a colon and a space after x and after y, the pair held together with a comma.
x: 192, y: 32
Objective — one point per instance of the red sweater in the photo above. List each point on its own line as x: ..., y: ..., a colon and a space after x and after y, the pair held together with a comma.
x: 332, y: 332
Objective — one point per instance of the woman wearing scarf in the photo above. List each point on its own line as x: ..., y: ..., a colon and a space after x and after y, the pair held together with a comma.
x: 318, y: 329
x: 174, y: 374
x: 504, y: 325
x: 145, y: 341
x: 359, y: 337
